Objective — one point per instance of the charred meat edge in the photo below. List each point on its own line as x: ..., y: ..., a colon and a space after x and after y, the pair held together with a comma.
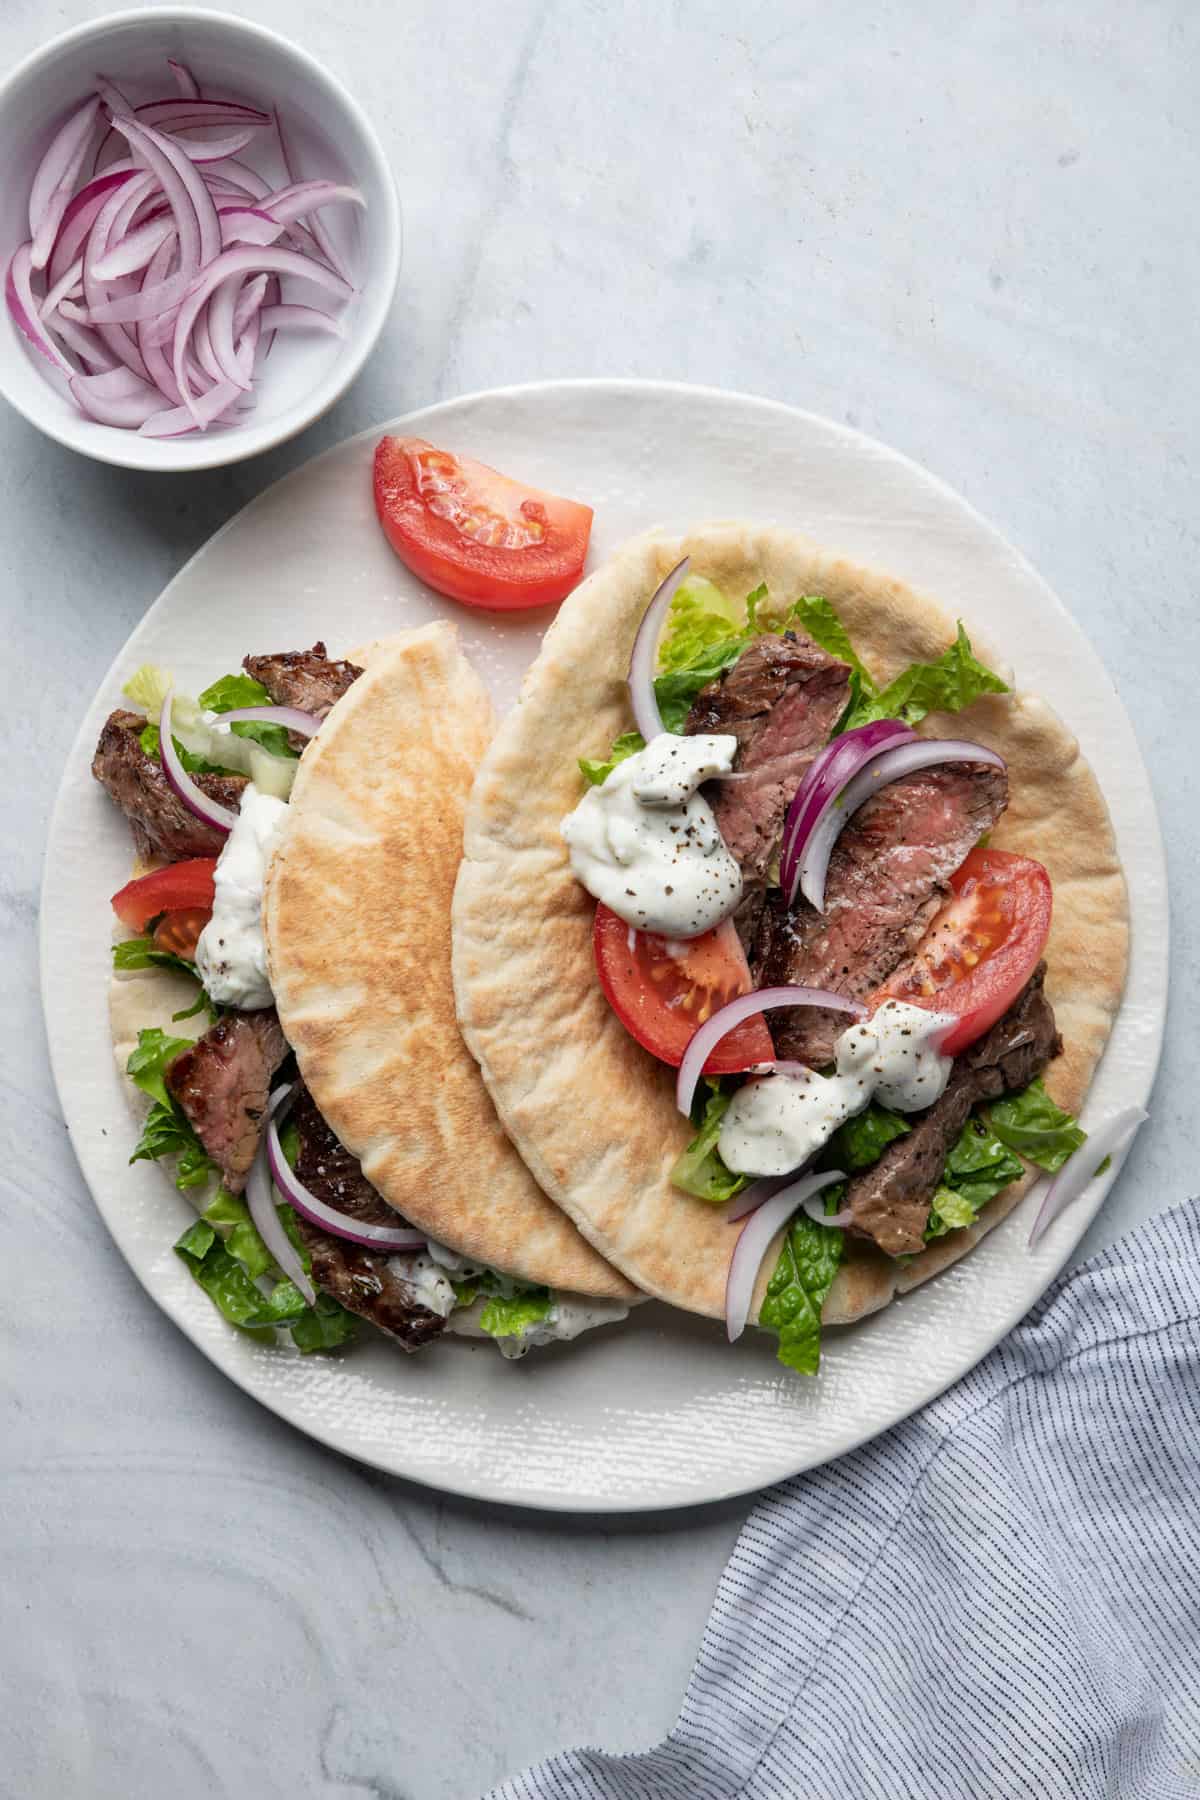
x: 222, y: 1082
x: 161, y: 823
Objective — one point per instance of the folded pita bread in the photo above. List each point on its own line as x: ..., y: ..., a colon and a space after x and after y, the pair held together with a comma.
x: 357, y: 921
x: 592, y: 1113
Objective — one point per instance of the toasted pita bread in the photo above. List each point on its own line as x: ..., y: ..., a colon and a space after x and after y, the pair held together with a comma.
x: 357, y: 920
x: 593, y: 1114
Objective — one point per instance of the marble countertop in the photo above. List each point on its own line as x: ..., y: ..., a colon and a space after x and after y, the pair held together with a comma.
x: 969, y: 236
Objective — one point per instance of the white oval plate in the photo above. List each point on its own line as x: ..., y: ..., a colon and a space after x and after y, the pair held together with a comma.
x: 661, y: 1411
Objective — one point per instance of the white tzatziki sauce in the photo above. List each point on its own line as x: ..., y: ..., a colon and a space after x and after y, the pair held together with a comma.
x: 231, y: 956
x: 645, y: 842
x: 567, y: 1318
x: 431, y: 1284
x: 776, y: 1122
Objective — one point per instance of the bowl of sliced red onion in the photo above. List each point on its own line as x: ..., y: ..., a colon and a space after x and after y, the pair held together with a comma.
x: 200, y: 237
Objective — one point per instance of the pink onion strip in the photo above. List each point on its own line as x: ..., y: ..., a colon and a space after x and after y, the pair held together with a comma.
x: 644, y: 660
x: 261, y: 1201
x: 304, y: 197
x: 158, y: 363
x: 752, y: 1197
x: 86, y: 345
x: 250, y: 301
x: 95, y: 291
x: 221, y: 309
x: 71, y: 284
x: 54, y: 182
x: 185, y: 81
x: 127, y: 410
x: 893, y: 765
x: 134, y: 250
x: 301, y: 318
x: 823, y: 781
x: 290, y: 717
x: 204, y: 411
x: 18, y: 292
x: 754, y: 1240
x: 248, y: 225
x: 371, y: 1237
x: 1084, y: 1165
x: 706, y: 1038
x: 317, y: 226
x: 79, y: 218
x: 211, y: 812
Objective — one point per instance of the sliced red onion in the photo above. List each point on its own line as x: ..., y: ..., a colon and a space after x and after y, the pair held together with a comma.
x: 752, y: 1197
x: 80, y: 216
x: 248, y: 225
x: 206, y: 410
x: 219, y: 321
x: 755, y: 1240
x: 371, y: 1237
x: 96, y: 291
x: 54, y: 182
x: 126, y: 410
x: 24, y: 309
x: 1084, y: 1165
x: 307, y: 724
x: 110, y: 383
x: 221, y: 818
x: 815, y: 1208
x: 86, y: 345
x: 69, y: 287
x: 260, y: 1198
x: 176, y: 114
x: 249, y: 302
x: 112, y: 95
x: 304, y: 197
x: 133, y: 251
x: 205, y: 354
x: 249, y: 260
x: 824, y: 780
x: 706, y: 1038
x: 644, y: 660
x: 185, y: 81
x: 186, y: 195
x: 158, y: 363
x: 317, y: 225
x: 301, y: 318
x: 812, y: 855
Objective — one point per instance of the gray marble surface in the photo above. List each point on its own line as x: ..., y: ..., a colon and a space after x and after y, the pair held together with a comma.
x: 970, y: 232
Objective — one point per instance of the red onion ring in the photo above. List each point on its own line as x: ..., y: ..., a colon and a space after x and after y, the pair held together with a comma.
x: 644, y: 660
x: 54, y: 181
x: 754, y: 1240
x: 707, y: 1036
x: 752, y: 1197
x: 1081, y: 1170
x: 370, y: 1237
x: 291, y: 717
x: 268, y: 1224
x: 221, y: 818
x: 824, y: 780
x: 18, y: 293
x: 813, y: 847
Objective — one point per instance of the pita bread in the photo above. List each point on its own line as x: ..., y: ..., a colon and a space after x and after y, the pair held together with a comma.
x: 357, y: 920
x: 593, y: 1114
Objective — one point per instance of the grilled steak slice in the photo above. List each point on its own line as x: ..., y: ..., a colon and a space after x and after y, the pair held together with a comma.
x: 222, y: 1083
x: 306, y: 679
x: 363, y: 1281
x: 161, y: 823
x: 890, y: 1200
x: 888, y: 875
x: 780, y: 699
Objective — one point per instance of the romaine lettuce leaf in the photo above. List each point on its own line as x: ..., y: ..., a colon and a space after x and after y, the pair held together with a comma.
x: 147, y: 1064
x: 675, y: 689
x: 227, y: 1268
x: 166, y: 1131
x: 1031, y: 1124
x: 814, y: 615
x: 596, y: 772
x: 143, y: 953
x: 512, y: 1315
x: 796, y: 1292
x: 148, y: 687
x: 230, y: 694
x: 698, y: 1169
x: 863, y: 1139
x: 947, y: 685
x: 976, y: 1170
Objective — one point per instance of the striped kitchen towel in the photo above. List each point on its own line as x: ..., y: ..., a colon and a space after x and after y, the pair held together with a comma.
x: 1000, y: 1597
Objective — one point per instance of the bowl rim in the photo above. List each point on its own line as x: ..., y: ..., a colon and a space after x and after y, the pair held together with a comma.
x: 231, y: 448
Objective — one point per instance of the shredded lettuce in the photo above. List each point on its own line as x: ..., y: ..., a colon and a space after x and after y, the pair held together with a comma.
x: 231, y: 693
x: 597, y: 772
x: 796, y: 1292
x: 1031, y: 1124
x: 149, y: 739
x: 700, y: 618
x: 698, y: 1169
x: 512, y: 1315
x: 167, y: 1131
x: 863, y: 1139
x: 147, y: 1064
x: 947, y: 685
x: 148, y: 687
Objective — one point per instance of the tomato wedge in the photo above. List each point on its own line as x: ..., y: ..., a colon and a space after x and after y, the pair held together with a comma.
x: 473, y: 533
x: 181, y: 886
x: 662, y: 990
x: 982, y: 947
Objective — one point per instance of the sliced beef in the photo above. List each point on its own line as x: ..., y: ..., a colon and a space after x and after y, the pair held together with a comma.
x: 303, y: 678
x: 781, y: 699
x: 161, y: 824
x: 222, y: 1083
x: 890, y: 1200
x: 888, y: 875
x: 364, y: 1282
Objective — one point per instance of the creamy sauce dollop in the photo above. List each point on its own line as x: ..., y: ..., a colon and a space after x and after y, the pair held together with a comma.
x: 776, y: 1122
x: 231, y: 956
x: 646, y: 843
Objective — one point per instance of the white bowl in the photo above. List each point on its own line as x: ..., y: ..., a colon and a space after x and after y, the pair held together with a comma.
x: 329, y: 136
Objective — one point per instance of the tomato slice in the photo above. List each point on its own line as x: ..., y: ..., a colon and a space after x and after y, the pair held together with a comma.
x: 181, y: 886
x: 473, y: 533
x: 661, y: 990
x: 982, y: 947
x: 179, y: 931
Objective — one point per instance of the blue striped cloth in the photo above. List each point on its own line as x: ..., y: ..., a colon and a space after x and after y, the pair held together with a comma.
x: 1000, y: 1597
